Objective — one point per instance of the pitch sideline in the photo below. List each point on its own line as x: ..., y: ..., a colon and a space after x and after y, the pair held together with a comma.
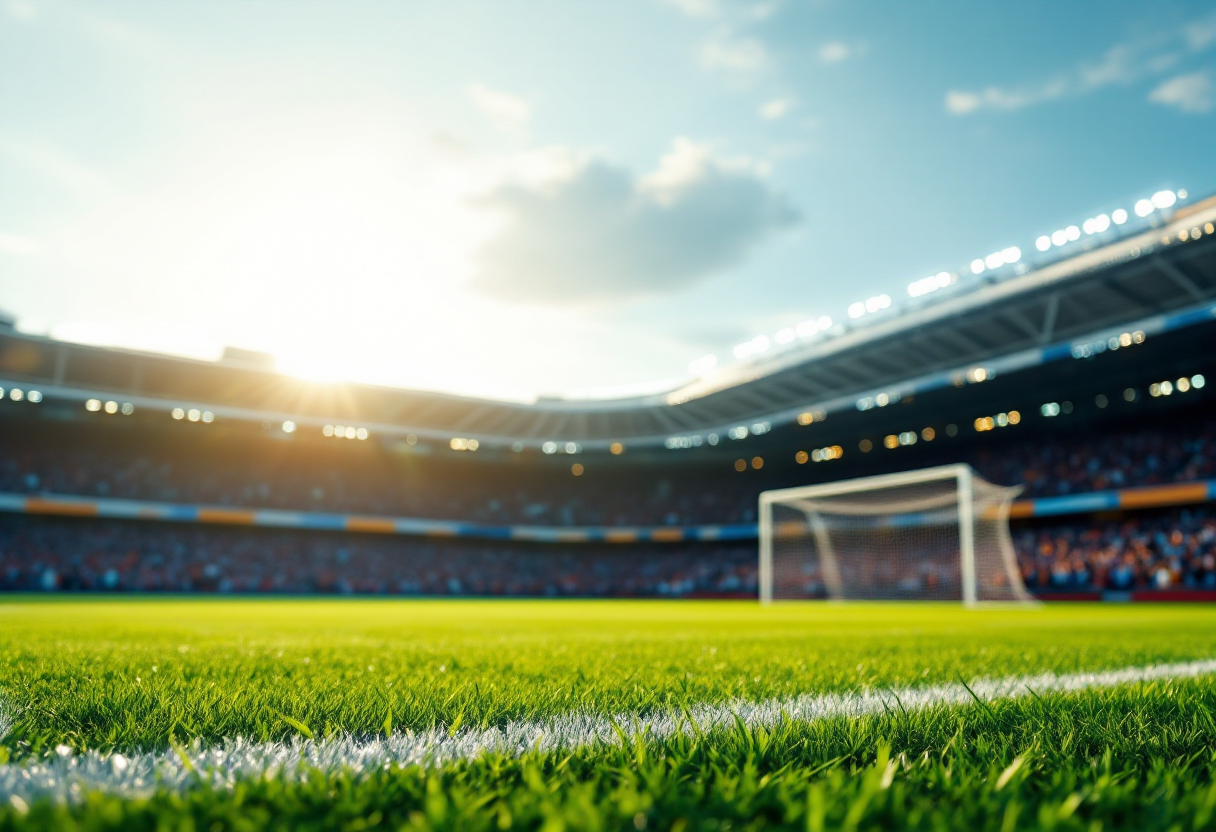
x: 69, y: 776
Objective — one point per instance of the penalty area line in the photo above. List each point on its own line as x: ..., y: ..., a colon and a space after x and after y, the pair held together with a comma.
x: 67, y: 776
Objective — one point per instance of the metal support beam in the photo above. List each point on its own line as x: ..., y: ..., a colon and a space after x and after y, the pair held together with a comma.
x: 1050, y: 315
x: 1175, y: 274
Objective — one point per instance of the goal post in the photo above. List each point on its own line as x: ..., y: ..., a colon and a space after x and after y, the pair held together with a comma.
x: 932, y: 534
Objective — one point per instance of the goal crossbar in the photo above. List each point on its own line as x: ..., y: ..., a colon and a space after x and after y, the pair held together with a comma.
x: 838, y: 532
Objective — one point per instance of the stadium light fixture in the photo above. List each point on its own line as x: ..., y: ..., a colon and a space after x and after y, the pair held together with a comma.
x: 977, y: 266
x: 1198, y: 381
x: 1164, y: 199
x: 1043, y: 243
x: 176, y: 413
x: 805, y: 329
x: 1143, y: 207
x: 16, y: 394
x: 1118, y: 216
x: 856, y: 310
x: 34, y: 396
x: 289, y: 426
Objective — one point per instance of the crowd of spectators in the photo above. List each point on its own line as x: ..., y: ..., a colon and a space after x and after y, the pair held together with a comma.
x: 1169, y: 550
x: 105, y: 555
x: 1173, y: 549
x: 375, y: 483
x: 370, y: 484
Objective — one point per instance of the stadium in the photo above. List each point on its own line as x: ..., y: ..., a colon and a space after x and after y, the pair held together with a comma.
x: 1080, y: 378
x: 669, y: 416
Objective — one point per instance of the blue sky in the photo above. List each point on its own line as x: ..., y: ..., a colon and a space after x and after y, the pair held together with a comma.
x: 511, y: 199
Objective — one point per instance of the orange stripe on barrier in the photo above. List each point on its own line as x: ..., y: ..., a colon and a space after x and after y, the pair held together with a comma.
x: 788, y: 529
x: 1022, y: 508
x: 1163, y: 495
x: 370, y: 524
x: 667, y: 535
x: 229, y: 516
x: 34, y: 505
x: 621, y: 537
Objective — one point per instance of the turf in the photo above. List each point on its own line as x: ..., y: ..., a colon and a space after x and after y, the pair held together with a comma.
x: 125, y: 675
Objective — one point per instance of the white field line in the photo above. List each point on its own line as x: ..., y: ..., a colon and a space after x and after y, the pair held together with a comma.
x: 67, y: 776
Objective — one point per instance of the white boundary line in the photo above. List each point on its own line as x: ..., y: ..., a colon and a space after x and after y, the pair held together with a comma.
x: 68, y: 776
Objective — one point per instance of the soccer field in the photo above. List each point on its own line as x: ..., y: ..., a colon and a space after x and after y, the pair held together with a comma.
x: 354, y: 714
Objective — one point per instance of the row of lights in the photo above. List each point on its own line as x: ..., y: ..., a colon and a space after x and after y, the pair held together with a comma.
x: 1004, y: 257
x: 760, y: 344
x: 1195, y: 233
x: 869, y: 306
x: 881, y: 400
x: 931, y: 283
x: 987, y: 423
x: 906, y: 438
x: 191, y: 415
x: 460, y: 444
x: 1101, y: 223
x: 676, y: 443
x: 1092, y: 348
x: 562, y: 448
x: 111, y: 407
x: 899, y: 440
x: 344, y: 432
x: 757, y: 464
x: 941, y: 280
x: 1182, y: 385
x: 819, y: 455
x: 16, y: 394
x: 1000, y: 420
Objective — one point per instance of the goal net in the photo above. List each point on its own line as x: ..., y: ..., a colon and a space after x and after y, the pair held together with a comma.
x: 934, y: 534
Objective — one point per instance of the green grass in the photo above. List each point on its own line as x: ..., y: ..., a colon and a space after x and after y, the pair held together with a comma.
x: 127, y: 674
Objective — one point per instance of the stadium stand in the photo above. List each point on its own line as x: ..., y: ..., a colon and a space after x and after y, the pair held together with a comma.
x: 1082, y: 379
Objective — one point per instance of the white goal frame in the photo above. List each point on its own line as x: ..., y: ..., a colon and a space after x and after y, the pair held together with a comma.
x: 961, y: 473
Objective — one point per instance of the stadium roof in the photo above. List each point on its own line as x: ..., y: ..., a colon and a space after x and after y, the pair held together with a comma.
x: 1155, y: 280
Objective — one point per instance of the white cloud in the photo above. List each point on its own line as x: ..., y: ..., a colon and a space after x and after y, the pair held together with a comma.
x: 696, y: 8
x: 16, y: 244
x: 57, y: 167
x: 1201, y: 34
x: 746, y: 55
x: 600, y: 234
x: 776, y: 108
x: 961, y: 102
x: 22, y: 9
x: 835, y: 52
x: 506, y: 111
x: 1189, y: 93
x: 1121, y: 64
